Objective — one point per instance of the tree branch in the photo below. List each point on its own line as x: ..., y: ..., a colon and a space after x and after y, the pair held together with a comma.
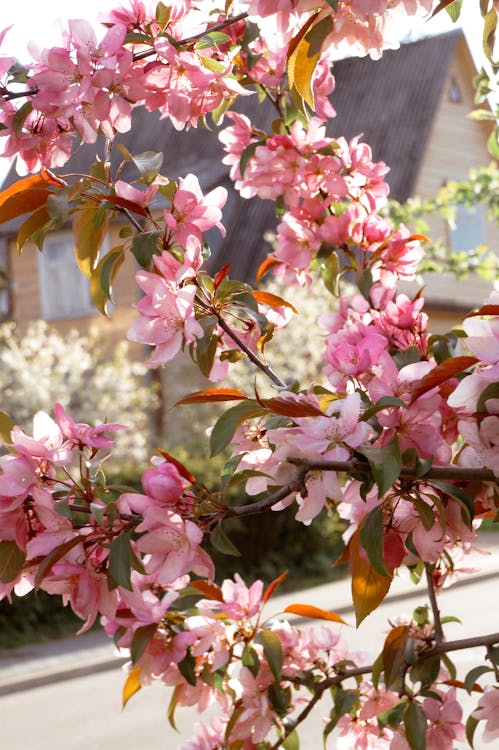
x: 454, y: 473
x: 217, y: 27
x: 437, y: 623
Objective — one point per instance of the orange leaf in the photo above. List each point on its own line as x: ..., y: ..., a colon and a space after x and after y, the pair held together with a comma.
x: 272, y: 586
x: 40, y: 180
x: 266, y: 266
x: 368, y: 587
x: 213, y: 395
x: 272, y: 300
x: 420, y: 237
x: 22, y: 202
x: 291, y: 405
x: 131, y: 686
x: 182, y: 470
x: 306, y: 54
x: 393, y: 653
x: 459, y: 684
x: 448, y: 369
x: 209, y: 590
x: 485, y: 310
x: 316, y: 613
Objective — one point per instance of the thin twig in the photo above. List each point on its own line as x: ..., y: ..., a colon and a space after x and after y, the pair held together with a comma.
x: 182, y: 42
x: 437, y: 622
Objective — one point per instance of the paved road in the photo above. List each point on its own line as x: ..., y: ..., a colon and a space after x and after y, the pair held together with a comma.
x: 85, y: 713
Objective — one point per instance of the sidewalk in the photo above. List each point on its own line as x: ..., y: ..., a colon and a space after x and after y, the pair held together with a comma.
x: 45, y: 663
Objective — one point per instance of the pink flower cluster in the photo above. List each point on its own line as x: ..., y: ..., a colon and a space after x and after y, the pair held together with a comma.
x: 331, y: 190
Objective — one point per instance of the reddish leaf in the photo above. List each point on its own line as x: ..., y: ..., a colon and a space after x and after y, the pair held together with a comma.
x: 485, y: 310
x: 272, y: 586
x: 40, y: 180
x: 476, y: 688
x: 272, y: 300
x: 266, y: 266
x: 212, y: 396
x: 22, y: 203
x: 116, y: 200
x: 221, y: 275
x: 291, y: 405
x: 448, y: 369
x: 315, y: 613
x: 182, y: 470
x: 393, y: 653
x: 209, y: 590
x: 368, y: 587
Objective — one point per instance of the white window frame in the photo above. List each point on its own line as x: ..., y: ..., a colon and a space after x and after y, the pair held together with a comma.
x: 64, y: 291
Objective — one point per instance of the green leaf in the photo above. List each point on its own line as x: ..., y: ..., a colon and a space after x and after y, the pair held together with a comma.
x: 144, y: 246
x: 467, y: 501
x: 392, y: 716
x: 20, y: 117
x: 120, y: 563
x: 250, y: 660
x: 162, y: 14
x: 425, y: 513
x: 226, y: 425
x: 187, y: 668
x: 471, y: 725
x: 371, y: 538
x: 140, y: 639
x: 454, y: 9
x: 172, y: 706
x: 393, y: 654
x: 12, y: 560
x: 54, y: 556
x: 222, y: 543
x: 103, y: 277
x: 6, y: 425
x: 426, y: 671
x: 279, y: 699
x: 246, y: 155
x: 292, y: 741
x: 493, y: 143
x: 385, y: 464
x: 473, y: 675
x: 385, y: 402
x: 330, y: 269
x: 149, y: 164
x: 272, y: 650
x: 415, y: 726
x: 491, y: 391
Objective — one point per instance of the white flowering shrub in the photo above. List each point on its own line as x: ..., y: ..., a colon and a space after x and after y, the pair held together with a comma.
x: 91, y: 380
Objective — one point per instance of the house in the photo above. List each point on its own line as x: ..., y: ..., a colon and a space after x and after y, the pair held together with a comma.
x: 411, y: 107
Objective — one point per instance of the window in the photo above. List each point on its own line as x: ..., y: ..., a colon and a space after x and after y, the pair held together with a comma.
x: 469, y: 229
x: 64, y: 291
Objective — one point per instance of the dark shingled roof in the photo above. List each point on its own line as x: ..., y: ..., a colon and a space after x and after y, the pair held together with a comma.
x: 391, y: 101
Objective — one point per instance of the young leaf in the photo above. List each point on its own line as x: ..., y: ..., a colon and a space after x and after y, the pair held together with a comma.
x: 371, y: 538
x: 448, y: 369
x: 393, y: 653
x: 222, y: 543
x: 272, y: 650
x: 291, y: 405
x: 89, y: 233
x: 226, y: 425
x: 12, y: 560
x: 140, y: 639
x: 272, y: 300
x: 368, y: 587
x: 120, y: 561
x: 415, y: 726
x: 315, y: 613
x: 305, y: 56
x: 22, y: 203
x: 212, y: 396
x: 385, y: 463
x: 131, y: 686
x: 273, y: 586
x: 209, y: 590
x: 182, y: 470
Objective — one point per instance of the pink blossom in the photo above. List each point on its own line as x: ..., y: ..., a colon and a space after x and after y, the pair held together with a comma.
x: 488, y: 709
